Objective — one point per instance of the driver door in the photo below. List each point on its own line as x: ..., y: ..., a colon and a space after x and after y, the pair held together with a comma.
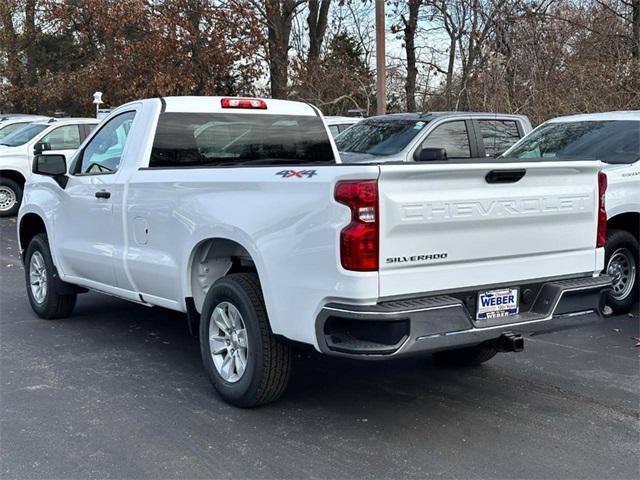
x: 87, y: 230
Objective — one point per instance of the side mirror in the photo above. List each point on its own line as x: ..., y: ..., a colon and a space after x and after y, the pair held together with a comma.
x: 40, y: 147
x: 51, y: 166
x: 431, y: 155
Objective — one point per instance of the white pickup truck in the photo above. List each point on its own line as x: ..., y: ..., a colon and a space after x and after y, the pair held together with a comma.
x: 613, y: 138
x: 239, y: 213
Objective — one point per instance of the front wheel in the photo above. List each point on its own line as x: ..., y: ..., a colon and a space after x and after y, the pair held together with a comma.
x: 621, y: 259
x: 10, y: 197
x: 41, y: 282
x: 247, y: 364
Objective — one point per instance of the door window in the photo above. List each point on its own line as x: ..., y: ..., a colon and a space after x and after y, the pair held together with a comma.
x: 498, y: 135
x: 66, y: 137
x: 451, y: 136
x: 103, y: 153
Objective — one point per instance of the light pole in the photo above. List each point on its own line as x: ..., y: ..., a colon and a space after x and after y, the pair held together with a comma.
x: 97, y: 99
x: 381, y: 66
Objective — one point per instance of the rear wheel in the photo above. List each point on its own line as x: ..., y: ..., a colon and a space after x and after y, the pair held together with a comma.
x: 42, y: 284
x: 464, y: 357
x: 621, y: 259
x: 247, y: 364
x: 10, y: 197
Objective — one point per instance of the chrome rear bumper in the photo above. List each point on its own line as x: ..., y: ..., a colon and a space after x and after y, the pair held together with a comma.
x: 433, y: 323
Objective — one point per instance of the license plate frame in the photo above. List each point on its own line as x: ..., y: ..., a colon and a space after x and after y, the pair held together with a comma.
x: 506, y: 303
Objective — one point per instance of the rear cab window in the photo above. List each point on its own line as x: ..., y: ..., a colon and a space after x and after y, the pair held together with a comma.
x: 235, y: 139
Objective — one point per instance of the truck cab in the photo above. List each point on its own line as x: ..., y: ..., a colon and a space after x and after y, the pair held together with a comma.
x: 411, y: 137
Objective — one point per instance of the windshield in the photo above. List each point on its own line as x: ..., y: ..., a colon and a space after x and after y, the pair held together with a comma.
x: 379, y: 137
x: 7, y: 130
x: 22, y: 136
x: 611, y: 141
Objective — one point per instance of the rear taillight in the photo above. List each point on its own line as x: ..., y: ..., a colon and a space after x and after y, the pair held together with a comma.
x: 601, y: 237
x: 360, y: 239
x: 243, y: 103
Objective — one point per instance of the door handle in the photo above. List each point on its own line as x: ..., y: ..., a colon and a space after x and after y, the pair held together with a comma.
x: 103, y: 194
x: 504, y: 176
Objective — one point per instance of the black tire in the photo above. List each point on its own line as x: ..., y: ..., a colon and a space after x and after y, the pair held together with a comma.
x: 618, y: 243
x: 268, y: 359
x: 13, y: 186
x: 465, y: 357
x: 53, y: 305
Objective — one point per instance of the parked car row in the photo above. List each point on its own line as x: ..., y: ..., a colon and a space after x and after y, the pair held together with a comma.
x: 245, y: 215
x: 23, y: 137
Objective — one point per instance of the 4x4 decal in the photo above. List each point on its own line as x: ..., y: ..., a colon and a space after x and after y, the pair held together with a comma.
x: 297, y: 173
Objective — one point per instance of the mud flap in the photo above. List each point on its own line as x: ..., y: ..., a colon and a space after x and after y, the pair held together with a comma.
x: 193, y: 317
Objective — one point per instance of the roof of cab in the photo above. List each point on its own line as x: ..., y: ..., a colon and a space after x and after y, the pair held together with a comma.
x: 20, y: 116
x: 428, y: 116
x: 13, y: 120
x: 213, y: 105
x: 340, y: 120
x: 633, y: 115
x: 65, y: 121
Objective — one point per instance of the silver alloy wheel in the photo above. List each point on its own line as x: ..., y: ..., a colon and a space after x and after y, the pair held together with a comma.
x: 8, y: 198
x: 228, y: 342
x: 38, y: 277
x: 622, y: 269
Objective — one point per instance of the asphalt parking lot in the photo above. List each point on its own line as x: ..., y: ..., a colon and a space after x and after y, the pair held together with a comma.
x: 117, y: 391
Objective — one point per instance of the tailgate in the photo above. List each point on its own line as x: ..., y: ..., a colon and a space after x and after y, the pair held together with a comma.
x: 451, y: 226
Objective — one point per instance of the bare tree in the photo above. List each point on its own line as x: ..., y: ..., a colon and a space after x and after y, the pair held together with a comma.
x: 317, y: 21
x: 278, y: 16
x: 635, y: 22
x: 410, y: 23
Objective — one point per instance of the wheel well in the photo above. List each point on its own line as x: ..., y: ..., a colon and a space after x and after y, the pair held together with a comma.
x: 626, y: 221
x: 213, y: 259
x: 13, y: 175
x: 30, y: 226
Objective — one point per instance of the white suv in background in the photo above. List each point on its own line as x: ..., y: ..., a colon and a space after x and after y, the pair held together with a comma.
x: 17, y: 150
x: 613, y: 138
